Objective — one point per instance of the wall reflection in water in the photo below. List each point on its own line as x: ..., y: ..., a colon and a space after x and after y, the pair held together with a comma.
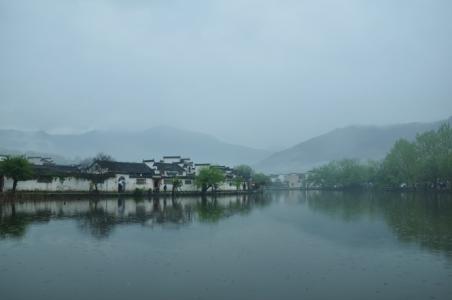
x: 99, y: 217
x: 425, y: 219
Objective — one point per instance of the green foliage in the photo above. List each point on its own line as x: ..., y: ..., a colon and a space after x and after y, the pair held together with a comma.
x: 16, y: 167
x: 425, y: 162
x: 246, y: 174
x: 401, y: 164
x: 209, y: 177
x: 346, y: 173
x: 237, y: 181
x: 244, y: 171
x: 260, y: 180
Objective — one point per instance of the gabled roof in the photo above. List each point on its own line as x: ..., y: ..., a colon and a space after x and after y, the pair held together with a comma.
x: 124, y: 167
x: 169, y: 167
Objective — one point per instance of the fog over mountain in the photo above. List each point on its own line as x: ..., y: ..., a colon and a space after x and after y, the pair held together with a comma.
x: 355, y: 142
x: 261, y: 73
x: 131, y: 145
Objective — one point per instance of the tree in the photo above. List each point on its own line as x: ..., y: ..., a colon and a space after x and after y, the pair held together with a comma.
x: 177, y: 183
x: 237, y: 181
x: 260, y: 180
x: 209, y: 177
x: 16, y: 167
x: 101, y: 156
x: 98, y: 174
x: 245, y: 172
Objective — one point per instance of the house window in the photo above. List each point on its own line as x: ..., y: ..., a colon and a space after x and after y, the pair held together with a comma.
x: 187, y: 181
x: 141, y: 181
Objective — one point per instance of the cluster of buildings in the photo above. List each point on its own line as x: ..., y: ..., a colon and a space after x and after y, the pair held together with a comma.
x: 293, y: 181
x: 113, y: 176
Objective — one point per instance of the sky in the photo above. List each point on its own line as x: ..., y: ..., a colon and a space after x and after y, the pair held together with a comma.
x: 262, y: 73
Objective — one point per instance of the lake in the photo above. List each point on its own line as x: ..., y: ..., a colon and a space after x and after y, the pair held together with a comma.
x: 278, y: 245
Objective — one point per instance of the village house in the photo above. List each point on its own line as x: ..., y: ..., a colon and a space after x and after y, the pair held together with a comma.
x: 172, y: 168
x: 114, y: 176
x: 52, y: 178
x: 229, y: 179
x: 288, y: 181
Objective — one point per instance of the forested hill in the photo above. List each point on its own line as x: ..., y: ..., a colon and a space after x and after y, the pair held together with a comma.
x: 133, y: 145
x: 356, y: 142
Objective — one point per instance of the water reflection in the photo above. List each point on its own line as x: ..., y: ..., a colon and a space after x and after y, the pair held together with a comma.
x: 423, y: 219
x: 100, y: 217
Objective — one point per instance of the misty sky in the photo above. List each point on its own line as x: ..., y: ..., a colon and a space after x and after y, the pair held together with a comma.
x: 262, y: 73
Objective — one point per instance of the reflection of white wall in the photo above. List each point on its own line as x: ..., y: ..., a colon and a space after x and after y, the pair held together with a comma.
x: 126, y: 207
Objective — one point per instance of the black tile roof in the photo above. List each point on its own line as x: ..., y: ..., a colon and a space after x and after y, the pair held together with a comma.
x: 162, y: 167
x: 124, y: 167
x: 55, y: 170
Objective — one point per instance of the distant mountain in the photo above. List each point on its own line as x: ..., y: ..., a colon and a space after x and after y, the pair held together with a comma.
x: 357, y: 142
x: 132, y: 146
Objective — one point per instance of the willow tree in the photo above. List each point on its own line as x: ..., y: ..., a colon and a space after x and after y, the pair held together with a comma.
x: 209, y: 178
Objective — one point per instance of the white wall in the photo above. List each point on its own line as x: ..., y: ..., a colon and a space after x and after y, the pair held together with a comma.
x: 56, y: 185
x: 111, y: 184
x: 78, y: 184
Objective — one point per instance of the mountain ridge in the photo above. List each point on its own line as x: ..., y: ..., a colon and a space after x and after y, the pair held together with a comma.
x: 153, y: 142
x: 355, y: 141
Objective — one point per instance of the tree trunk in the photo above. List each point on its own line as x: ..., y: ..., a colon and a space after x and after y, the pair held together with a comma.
x: 14, y: 185
x: 2, y: 182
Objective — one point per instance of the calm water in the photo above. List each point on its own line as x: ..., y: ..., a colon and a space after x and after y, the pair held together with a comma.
x: 287, y: 245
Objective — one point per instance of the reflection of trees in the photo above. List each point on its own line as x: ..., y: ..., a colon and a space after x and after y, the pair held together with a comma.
x: 98, y: 222
x: 210, y: 209
x: 99, y: 218
x: 14, y: 225
x: 348, y: 206
x: 424, y: 219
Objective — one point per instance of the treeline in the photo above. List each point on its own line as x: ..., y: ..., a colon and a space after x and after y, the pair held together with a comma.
x: 423, y: 163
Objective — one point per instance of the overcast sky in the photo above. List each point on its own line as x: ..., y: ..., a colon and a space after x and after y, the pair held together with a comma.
x: 263, y: 73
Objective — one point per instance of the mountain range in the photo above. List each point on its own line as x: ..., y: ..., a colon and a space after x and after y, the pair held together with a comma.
x: 130, y: 145
x: 355, y: 142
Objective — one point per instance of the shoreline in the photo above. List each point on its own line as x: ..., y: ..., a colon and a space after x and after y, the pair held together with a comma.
x: 38, y: 195
x: 41, y: 195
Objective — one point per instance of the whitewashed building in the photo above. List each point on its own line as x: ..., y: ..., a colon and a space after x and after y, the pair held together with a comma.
x: 113, y: 176
x: 51, y: 178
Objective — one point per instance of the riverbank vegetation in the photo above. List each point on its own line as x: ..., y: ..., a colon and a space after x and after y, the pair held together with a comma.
x: 212, y: 177
x: 425, y: 163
